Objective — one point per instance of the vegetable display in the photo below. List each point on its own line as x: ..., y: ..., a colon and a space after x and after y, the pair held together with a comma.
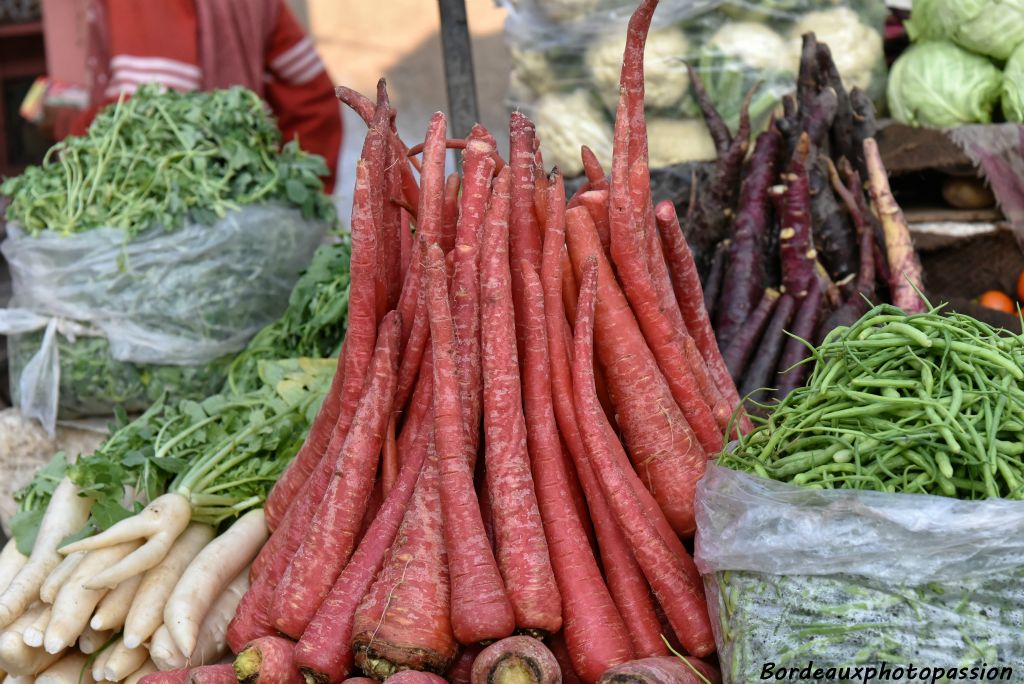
x: 571, y: 53
x: 904, y: 441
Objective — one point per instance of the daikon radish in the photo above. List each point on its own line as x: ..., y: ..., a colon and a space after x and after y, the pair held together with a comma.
x: 65, y: 514
x: 160, y: 523
x: 148, y: 667
x: 147, y: 610
x: 11, y: 563
x: 113, y: 608
x: 56, y: 579
x: 70, y: 669
x: 209, y: 574
x: 33, y: 634
x: 122, y: 661
x: 92, y: 640
x: 74, y: 603
x: 212, y: 643
x: 164, y: 651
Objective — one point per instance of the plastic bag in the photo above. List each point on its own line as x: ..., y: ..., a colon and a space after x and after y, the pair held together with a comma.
x: 851, y: 579
x: 179, y: 300
x: 567, y: 57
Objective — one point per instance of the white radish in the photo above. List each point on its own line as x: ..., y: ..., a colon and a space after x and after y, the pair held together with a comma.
x: 98, y: 661
x: 113, y: 608
x: 92, y: 640
x: 212, y: 641
x: 159, y: 523
x: 33, y: 634
x: 123, y: 661
x: 16, y: 679
x: 70, y: 669
x: 56, y: 579
x: 148, y: 667
x: 74, y: 603
x: 147, y: 610
x: 11, y: 562
x: 164, y: 651
x: 66, y: 513
x: 17, y: 657
x: 209, y: 574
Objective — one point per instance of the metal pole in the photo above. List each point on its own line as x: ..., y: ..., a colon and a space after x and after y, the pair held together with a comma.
x: 458, y: 68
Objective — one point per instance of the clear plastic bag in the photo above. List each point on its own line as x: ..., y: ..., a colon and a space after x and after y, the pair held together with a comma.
x: 852, y: 579
x: 567, y: 56
x: 116, y: 312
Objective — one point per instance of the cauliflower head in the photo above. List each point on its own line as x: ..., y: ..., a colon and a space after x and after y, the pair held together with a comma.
x: 755, y: 45
x: 567, y: 121
x: 665, y: 80
x: 674, y: 141
x: 856, y: 48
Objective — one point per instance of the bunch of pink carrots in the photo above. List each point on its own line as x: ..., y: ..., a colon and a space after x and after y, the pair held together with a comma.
x: 465, y: 479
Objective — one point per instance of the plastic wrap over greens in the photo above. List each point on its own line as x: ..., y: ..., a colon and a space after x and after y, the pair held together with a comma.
x: 182, y: 298
x: 851, y: 579
x: 565, y: 47
x: 941, y: 85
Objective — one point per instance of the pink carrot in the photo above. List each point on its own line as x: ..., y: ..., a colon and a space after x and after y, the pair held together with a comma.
x: 412, y: 353
x: 561, y: 380
x: 478, y: 169
x: 403, y: 622
x: 516, y: 659
x: 267, y: 661
x: 524, y: 232
x: 324, y: 653
x: 593, y: 628
x: 462, y: 669
x: 662, y: 446
x: 179, y: 676
x: 212, y: 674
x: 673, y: 585
x: 596, y: 202
x: 332, y: 534
x: 690, y: 297
x: 558, y: 648
x: 480, y: 609
x: 592, y: 168
x: 625, y: 579
x: 389, y: 456
x: 430, y: 212
x: 364, y: 107
x: 521, y: 548
x: 450, y: 212
x: 416, y: 677
x: 664, y: 670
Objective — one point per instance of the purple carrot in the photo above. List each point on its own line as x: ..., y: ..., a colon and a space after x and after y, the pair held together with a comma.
x: 713, y: 282
x: 792, y: 373
x: 737, y: 353
x: 766, y: 360
x: 793, y: 207
x: 744, y: 277
x: 834, y: 239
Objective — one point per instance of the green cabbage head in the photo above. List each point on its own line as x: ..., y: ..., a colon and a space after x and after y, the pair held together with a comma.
x: 989, y: 27
x: 1013, y: 87
x: 940, y: 85
x: 924, y: 22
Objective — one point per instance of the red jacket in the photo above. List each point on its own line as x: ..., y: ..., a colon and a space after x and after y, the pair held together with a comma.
x: 203, y: 44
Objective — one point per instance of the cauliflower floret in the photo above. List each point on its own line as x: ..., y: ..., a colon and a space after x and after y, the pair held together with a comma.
x: 665, y: 80
x: 755, y: 45
x: 565, y: 122
x: 674, y: 141
x: 856, y: 48
x: 531, y: 68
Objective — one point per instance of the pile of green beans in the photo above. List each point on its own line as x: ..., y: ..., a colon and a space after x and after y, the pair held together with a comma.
x: 926, y: 403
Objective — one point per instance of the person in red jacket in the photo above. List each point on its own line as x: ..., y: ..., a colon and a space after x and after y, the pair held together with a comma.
x: 205, y: 44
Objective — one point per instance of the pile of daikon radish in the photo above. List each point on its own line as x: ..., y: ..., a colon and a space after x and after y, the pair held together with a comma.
x: 152, y: 592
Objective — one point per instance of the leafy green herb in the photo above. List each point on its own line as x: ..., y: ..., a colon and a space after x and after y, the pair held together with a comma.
x: 162, y: 158
x: 313, y: 324
x: 224, y: 452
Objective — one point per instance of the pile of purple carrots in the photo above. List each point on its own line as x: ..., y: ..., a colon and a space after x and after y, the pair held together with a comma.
x: 797, y: 244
